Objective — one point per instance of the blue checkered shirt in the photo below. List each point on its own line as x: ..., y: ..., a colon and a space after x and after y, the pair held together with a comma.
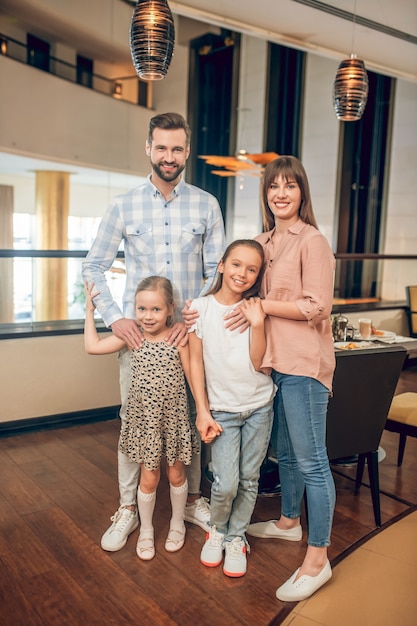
x: 181, y: 238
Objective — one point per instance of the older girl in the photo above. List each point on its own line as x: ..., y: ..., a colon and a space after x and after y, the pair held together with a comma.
x: 233, y: 401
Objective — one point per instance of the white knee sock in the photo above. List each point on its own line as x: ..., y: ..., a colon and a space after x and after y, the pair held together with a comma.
x: 146, y: 506
x: 178, y: 497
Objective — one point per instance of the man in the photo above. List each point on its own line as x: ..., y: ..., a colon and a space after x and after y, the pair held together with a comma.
x: 172, y: 229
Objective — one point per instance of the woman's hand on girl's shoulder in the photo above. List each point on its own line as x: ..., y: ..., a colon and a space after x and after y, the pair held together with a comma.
x: 253, y: 311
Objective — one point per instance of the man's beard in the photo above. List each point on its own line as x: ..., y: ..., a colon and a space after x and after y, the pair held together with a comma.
x: 167, y: 176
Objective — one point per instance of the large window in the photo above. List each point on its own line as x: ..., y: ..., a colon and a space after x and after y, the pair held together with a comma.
x: 212, y: 102
x: 364, y: 149
x: 23, y: 286
x: 285, y: 87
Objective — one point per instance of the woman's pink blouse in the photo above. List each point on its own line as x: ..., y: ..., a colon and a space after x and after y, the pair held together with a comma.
x: 300, y: 270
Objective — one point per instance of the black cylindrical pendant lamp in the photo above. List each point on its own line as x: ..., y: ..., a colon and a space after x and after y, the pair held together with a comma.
x: 350, y: 90
x: 152, y: 38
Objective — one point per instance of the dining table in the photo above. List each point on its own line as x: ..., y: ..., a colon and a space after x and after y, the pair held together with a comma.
x: 269, y: 480
x: 408, y: 343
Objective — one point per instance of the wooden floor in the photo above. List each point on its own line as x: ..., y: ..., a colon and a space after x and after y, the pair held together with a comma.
x: 58, y: 489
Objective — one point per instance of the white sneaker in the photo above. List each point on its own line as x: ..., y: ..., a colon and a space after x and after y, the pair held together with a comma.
x: 269, y: 530
x: 235, y: 558
x: 198, y: 512
x: 303, y: 587
x: 212, y: 551
x: 124, y: 523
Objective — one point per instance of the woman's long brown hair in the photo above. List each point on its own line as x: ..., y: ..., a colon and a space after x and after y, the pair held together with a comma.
x: 290, y: 168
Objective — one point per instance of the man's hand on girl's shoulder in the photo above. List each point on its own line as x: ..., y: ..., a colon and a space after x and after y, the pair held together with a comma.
x: 178, y: 335
x: 189, y: 315
x: 128, y: 331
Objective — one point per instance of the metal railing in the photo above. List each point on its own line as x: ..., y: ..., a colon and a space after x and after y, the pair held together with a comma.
x: 114, y: 87
x: 362, y: 280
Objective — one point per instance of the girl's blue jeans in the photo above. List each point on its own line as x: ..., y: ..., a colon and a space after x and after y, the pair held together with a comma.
x: 299, y: 441
x: 236, y: 456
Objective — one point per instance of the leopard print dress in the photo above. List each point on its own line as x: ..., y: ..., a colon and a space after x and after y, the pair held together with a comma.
x: 157, y: 415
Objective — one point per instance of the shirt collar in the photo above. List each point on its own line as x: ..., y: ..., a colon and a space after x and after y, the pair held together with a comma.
x: 295, y: 229
x: 175, y: 192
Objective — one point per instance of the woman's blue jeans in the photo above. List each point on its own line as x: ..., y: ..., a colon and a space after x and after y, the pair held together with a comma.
x: 299, y: 442
x: 237, y: 456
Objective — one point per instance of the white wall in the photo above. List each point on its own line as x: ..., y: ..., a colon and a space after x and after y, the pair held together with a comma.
x: 401, y: 222
x: 401, y: 229
x: 56, y: 119
x: 244, y: 217
x: 320, y: 133
x: 320, y: 137
x: 44, y: 376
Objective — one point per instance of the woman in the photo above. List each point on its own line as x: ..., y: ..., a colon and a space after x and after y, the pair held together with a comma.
x: 298, y: 289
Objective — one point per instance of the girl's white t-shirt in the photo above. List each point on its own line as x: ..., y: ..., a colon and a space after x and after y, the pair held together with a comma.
x: 233, y: 384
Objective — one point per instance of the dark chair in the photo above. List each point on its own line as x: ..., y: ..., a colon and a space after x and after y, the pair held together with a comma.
x: 363, y: 388
x: 411, y: 293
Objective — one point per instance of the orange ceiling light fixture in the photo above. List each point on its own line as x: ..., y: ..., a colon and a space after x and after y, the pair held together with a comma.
x: 243, y: 163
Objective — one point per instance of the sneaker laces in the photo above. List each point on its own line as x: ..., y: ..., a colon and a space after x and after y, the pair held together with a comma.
x: 215, y: 538
x: 201, y: 504
x: 120, y: 519
x: 236, y: 547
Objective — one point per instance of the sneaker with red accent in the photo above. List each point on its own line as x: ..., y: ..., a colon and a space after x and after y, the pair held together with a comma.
x: 212, y: 551
x: 235, y: 558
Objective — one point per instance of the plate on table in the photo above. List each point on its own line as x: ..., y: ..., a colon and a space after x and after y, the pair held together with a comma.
x: 352, y: 345
x: 380, y: 335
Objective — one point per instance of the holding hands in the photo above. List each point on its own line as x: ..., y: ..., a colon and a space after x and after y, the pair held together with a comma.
x: 208, y: 428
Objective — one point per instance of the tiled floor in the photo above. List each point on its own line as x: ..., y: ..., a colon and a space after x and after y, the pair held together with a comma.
x: 375, y: 585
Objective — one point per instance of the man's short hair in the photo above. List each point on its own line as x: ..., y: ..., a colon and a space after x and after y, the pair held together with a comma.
x: 169, y: 121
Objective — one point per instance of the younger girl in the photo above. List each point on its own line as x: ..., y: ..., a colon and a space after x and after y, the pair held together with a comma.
x: 157, y: 421
x: 233, y: 401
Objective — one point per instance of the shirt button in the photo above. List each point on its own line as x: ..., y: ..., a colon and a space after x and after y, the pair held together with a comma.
x: 167, y: 243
